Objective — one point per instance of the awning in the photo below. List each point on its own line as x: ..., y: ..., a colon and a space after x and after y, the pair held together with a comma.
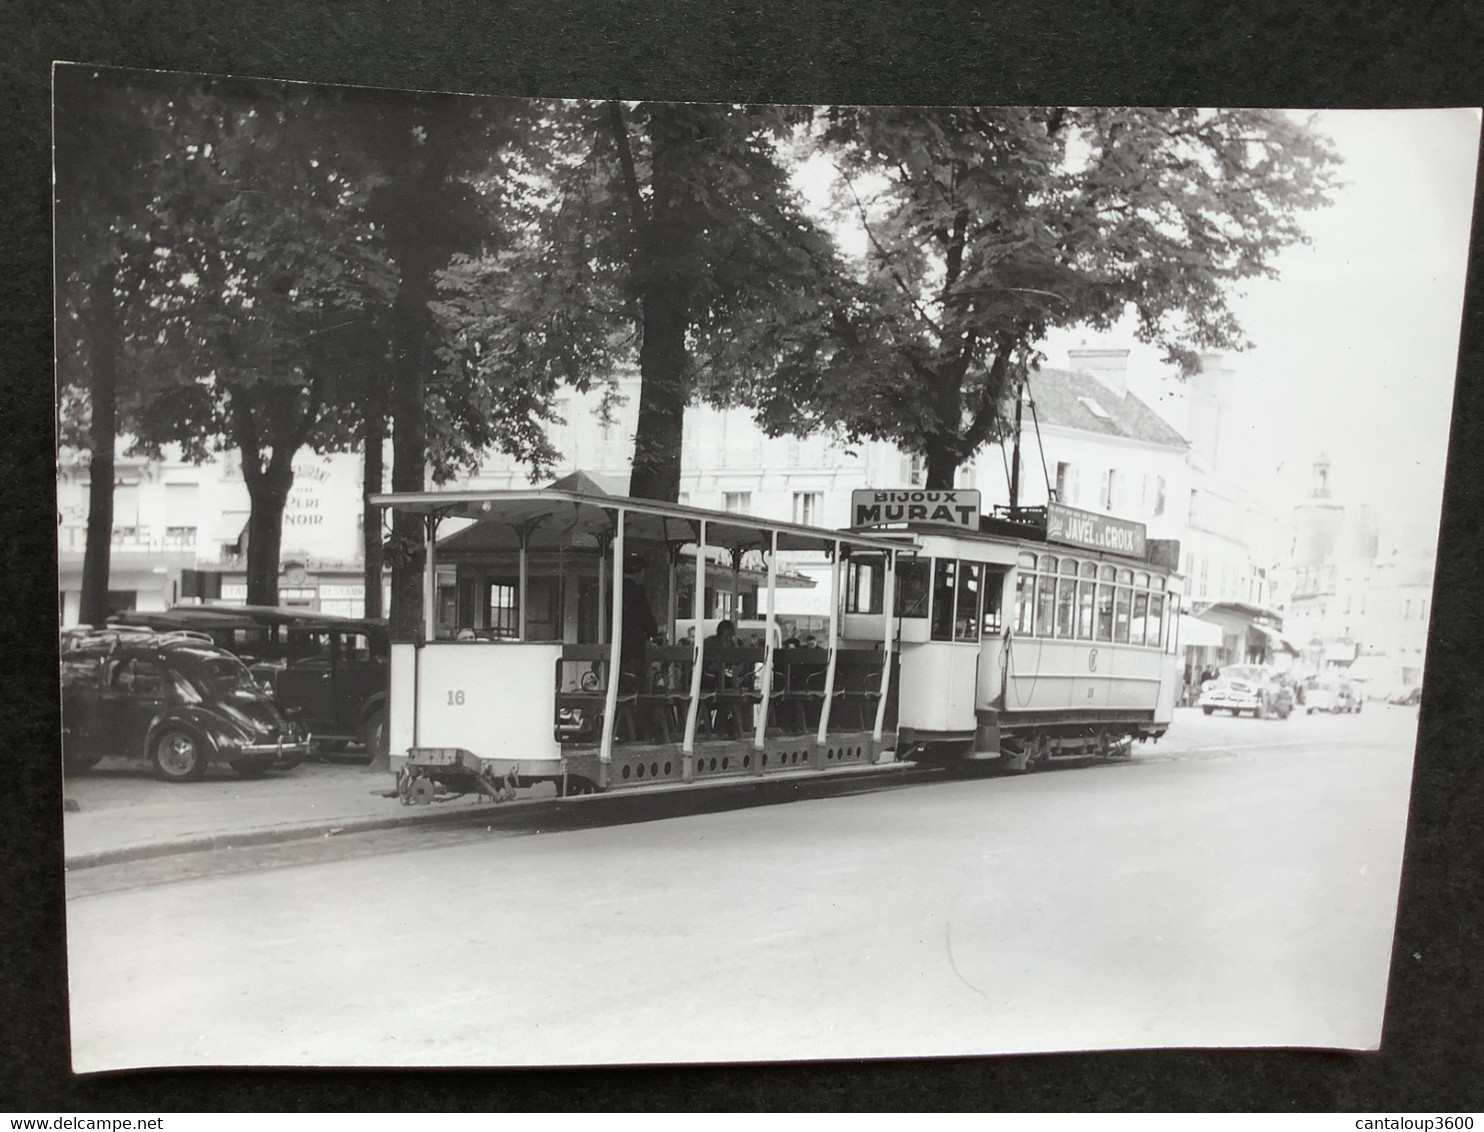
x: 1195, y: 633
x: 1278, y: 641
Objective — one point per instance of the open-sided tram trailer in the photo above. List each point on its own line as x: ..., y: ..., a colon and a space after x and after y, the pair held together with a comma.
x: 949, y: 639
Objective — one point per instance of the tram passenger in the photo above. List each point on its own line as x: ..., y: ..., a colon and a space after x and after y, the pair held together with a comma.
x: 639, y: 625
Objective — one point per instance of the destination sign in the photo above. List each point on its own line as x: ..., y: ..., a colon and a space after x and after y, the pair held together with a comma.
x: 1096, y: 532
x: 910, y: 505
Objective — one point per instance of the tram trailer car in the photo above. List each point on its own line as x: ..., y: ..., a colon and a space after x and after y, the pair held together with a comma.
x: 553, y: 681
x: 1028, y: 636
x: 950, y: 643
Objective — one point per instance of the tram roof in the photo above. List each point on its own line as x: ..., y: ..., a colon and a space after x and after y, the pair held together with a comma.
x: 554, y: 518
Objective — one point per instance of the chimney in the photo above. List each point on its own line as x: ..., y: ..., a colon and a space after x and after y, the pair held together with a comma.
x: 1108, y: 366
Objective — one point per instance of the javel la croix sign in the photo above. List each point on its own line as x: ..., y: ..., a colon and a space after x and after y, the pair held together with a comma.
x: 871, y: 506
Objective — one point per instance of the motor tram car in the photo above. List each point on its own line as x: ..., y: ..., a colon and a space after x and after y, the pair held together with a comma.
x: 965, y: 639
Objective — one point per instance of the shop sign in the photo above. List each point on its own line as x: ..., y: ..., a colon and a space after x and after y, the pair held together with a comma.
x: 337, y: 592
x: 905, y: 505
x: 1088, y: 529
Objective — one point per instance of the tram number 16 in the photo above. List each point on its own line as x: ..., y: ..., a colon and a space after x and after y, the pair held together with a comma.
x: 456, y: 698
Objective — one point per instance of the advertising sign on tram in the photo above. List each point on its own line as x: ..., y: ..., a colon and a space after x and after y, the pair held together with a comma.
x: 1095, y: 532
x: 955, y: 508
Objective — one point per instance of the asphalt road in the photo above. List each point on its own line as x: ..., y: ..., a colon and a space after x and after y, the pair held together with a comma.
x: 1233, y: 886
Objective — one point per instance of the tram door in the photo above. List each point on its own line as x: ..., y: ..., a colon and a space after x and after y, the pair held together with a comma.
x: 940, y: 675
x: 993, y: 641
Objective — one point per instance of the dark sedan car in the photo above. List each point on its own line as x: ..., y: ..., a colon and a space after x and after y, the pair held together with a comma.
x: 173, y: 699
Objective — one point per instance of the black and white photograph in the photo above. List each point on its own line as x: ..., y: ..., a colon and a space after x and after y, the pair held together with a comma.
x: 588, y: 582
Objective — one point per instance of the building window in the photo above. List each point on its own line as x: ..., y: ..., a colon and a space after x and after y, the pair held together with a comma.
x: 737, y: 502
x: 1066, y: 482
x: 807, y: 506
x: 1159, y: 495
x: 182, y: 537
x: 916, y: 471
x: 1112, y: 489
x: 683, y: 498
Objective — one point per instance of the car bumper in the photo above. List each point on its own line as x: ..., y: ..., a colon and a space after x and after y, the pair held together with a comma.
x: 1240, y: 703
x: 278, y: 749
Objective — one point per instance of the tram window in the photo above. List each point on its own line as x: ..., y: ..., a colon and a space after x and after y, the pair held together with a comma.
x: 945, y: 594
x: 866, y: 584
x: 1120, y: 616
x: 1155, y: 634
x: 501, y: 614
x: 1046, y: 607
x: 1085, y: 598
x: 1172, y: 625
x: 1066, y: 608
x: 912, y: 587
x: 966, y: 614
x: 994, y: 596
x: 1105, y: 613
x: 1025, y: 603
x: 1136, y: 626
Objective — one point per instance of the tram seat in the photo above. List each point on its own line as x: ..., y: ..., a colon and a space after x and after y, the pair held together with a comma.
x: 663, y: 705
x: 798, y: 687
x: 590, y: 696
x: 728, y: 691
x: 857, y: 685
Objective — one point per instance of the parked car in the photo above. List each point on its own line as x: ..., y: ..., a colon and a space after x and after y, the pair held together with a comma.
x: 326, y: 672
x: 173, y: 699
x: 1330, y: 694
x: 1258, y: 688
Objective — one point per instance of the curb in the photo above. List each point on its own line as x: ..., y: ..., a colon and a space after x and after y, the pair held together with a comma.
x: 245, y: 839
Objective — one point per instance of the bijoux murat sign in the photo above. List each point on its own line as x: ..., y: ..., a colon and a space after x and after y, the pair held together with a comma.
x: 910, y: 505
x: 1093, y: 531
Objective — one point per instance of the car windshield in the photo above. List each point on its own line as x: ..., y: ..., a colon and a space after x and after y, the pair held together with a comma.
x: 217, y: 673
x: 1244, y: 672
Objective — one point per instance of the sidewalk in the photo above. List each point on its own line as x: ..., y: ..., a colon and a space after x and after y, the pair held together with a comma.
x: 124, y: 813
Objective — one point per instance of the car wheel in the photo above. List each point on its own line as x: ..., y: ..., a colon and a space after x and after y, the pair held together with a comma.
x: 252, y: 768
x: 373, y: 733
x: 1208, y: 710
x: 178, y: 755
x: 1262, y: 710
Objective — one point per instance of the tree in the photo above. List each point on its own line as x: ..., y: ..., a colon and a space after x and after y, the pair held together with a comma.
x: 986, y: 229
x: 675, y: 232
x: 107, y: 147
x: 265, y: 292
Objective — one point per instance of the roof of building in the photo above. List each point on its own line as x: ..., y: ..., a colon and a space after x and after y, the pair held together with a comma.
x: 1080, y: 401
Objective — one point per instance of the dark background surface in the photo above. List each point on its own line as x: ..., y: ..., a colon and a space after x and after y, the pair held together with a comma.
x: 1265, y: 52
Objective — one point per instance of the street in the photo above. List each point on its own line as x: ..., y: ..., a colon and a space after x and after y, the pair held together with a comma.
x: 1234, y: 885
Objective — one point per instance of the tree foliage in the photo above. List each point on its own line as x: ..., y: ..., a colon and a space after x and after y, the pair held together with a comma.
x: 985, y: 229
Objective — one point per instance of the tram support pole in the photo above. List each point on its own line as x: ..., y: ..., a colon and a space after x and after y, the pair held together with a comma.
x: 520, y: 635
x: 889, y: 607
x: 615, y: 643
x: 430, y: 582
x: 760, y: 725
x: 829, y: 668
x: 693, y: 708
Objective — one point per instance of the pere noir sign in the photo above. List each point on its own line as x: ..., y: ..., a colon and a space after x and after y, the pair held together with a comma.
x: 1093, y: 531
x: 913, y: 505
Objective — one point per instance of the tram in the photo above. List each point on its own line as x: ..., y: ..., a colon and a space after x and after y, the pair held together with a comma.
x: 951, y: 637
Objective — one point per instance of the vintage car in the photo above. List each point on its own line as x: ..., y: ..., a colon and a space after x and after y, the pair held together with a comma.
x: 1323, y: 693
x: 327, y: 673
x: 172, y: 699
x: 1257, y: 688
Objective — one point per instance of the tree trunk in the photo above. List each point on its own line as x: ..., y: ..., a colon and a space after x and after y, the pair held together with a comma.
x: 103, y: 347
x: 269, y: 493
x: 372, y: 482
x: 942, y: 463
x: 663, y: 393
x: 665, y: 245
x: 409, y: 449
